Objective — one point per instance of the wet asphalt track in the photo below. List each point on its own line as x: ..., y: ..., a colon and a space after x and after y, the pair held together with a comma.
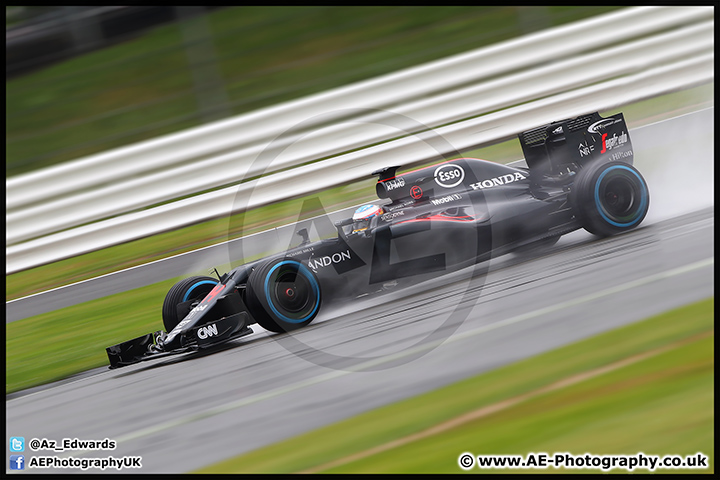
x: 183, y: 413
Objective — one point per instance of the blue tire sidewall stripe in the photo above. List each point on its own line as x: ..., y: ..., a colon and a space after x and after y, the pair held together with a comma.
x: 204, y: 282
x: 643, y: 194
x: 316, y: 288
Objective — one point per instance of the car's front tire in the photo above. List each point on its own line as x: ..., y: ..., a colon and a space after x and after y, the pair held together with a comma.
x: 610, y: 198
x: 188, y: 289
x: 283, y: 294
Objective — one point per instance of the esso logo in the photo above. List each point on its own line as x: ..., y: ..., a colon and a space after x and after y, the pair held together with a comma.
x: 449, y: 175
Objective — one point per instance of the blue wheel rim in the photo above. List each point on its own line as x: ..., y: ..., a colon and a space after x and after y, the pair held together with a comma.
x: 643, y: 198
x: 204, y: 282
x: 313, y: 283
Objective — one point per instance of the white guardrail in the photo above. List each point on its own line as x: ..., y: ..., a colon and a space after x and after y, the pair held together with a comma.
x: 596, y: 64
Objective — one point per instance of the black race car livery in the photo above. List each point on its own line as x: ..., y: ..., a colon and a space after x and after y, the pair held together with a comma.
x: 434, y: 220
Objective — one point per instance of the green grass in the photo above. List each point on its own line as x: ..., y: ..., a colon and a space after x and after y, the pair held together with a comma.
x: 185, y: 239
x: 64, y: 342
x: 660, y: 405
x: 143, y: 88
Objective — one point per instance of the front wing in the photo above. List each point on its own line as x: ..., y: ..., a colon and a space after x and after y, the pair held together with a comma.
x: 150, y: 346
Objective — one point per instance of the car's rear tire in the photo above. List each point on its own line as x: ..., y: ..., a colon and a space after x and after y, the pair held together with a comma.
x: 282, y: 295
x: 188, y: 289
x: 610, y: 198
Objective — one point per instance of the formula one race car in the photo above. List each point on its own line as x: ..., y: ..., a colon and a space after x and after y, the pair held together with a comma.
x: 434, y: 220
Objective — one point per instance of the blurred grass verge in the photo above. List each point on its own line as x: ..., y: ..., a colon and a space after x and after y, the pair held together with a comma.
x: 58, y: 344
x: 207, y: 233
x: 659, y: 405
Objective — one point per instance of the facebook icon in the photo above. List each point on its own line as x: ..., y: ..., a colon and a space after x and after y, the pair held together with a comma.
x: 17, y: 462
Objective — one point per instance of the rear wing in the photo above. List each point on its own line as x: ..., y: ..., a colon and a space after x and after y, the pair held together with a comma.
x: 551, y: 148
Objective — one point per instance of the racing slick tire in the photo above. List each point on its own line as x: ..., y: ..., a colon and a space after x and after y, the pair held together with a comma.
x: 610, y: 198
x: 191, y: 288
x: 282, y: 295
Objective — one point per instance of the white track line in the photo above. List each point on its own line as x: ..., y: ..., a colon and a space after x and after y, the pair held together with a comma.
x: 421, y: 348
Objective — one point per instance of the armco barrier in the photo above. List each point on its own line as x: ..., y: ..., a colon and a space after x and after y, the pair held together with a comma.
x: 650, y: 66
x: 406, y: 85
x: 338, y: 170
x: 204, y: 174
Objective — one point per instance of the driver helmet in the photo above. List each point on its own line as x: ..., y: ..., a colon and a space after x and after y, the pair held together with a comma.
x: 363, y: 215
